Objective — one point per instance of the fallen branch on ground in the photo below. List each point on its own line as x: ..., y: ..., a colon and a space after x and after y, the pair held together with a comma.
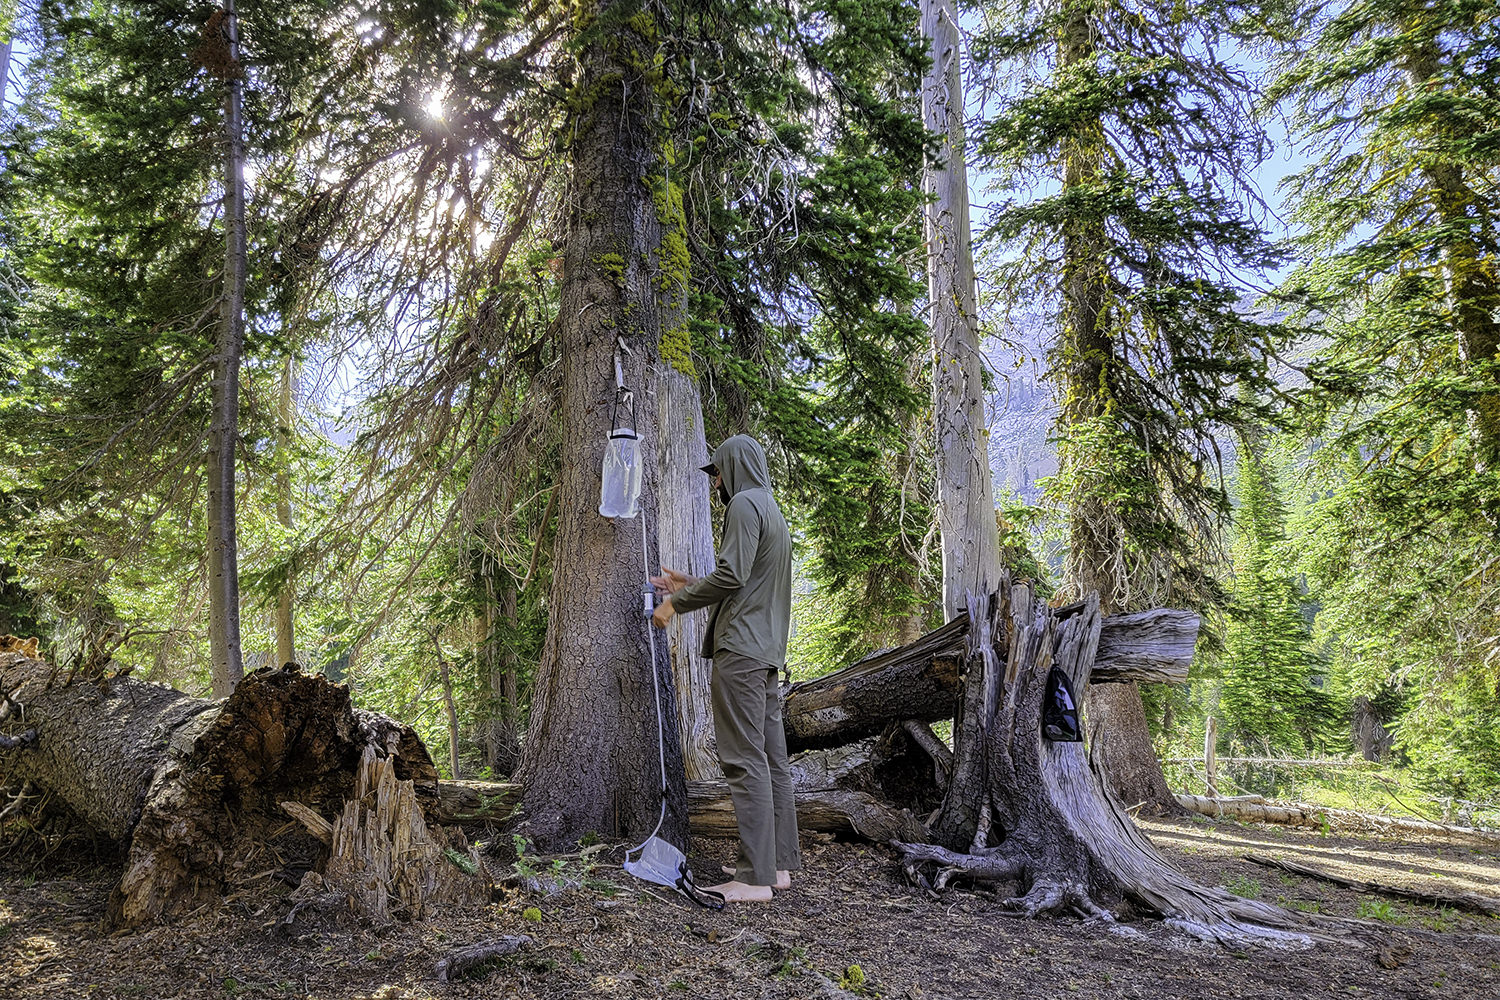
x: 1468, y: 902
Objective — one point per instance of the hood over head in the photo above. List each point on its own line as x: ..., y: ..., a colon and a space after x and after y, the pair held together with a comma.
x: 742, y: 463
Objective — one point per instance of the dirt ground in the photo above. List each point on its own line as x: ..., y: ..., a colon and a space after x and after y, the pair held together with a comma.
x: 850, y: 926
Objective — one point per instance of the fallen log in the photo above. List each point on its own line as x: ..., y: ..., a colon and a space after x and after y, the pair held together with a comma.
x: 193, y: 790
x: 1256, y: 809
x: 837, y: 792
x: 922, y: 680
x: 1467, y: 901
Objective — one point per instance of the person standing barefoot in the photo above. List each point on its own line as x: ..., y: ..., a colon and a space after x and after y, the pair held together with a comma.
x: 750, y: 592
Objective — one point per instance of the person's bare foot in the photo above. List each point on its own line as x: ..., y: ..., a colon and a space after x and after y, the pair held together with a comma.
x: 783, y: 877
x: 739, y: 892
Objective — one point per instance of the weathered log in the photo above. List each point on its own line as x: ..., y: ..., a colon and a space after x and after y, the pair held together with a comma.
x: 1255, y: 809
x: 922, y: 680
x: 192, y: 789
x: 1467, y: 901
x: 916, y: 681
x: 1036, y: 814
x: 837, y: 792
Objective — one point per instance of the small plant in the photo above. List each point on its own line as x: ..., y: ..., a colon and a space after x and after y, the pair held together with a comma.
x: 678, y: 984
x: 533, y: 914
x: 792, y: 964
x: 1243, y: 885
x: 462, y: 862
x: 523, y: 863
x: 577, y: 956
x: 1378, y: 909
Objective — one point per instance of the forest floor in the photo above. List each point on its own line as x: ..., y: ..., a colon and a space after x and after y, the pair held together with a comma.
x: 850, y: 926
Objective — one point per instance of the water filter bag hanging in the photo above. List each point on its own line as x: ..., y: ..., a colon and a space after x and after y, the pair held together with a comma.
x: 620, y: 485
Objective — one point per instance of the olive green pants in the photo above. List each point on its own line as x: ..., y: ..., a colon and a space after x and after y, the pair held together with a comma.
x: 752, y: 751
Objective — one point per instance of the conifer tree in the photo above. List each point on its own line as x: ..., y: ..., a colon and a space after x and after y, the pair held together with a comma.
x: 1135, y: 135
x: 1266, y: 699
x: 1400, y: 237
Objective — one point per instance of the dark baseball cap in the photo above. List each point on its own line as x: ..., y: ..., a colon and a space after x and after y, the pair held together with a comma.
x: 710, y: 468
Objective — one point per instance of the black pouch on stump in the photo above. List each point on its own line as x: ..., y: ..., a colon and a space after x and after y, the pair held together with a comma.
x: 1060, y: 710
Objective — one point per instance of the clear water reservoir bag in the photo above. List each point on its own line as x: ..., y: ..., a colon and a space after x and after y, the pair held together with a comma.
x: 620, y: 487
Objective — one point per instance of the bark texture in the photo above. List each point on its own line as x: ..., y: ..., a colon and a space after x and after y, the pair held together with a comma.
x: 223, y: 437
x: 193, y: 790
x: 965, y: 496
x: 686, y: 542
x: 1034, y: 813
x: 590, y: 763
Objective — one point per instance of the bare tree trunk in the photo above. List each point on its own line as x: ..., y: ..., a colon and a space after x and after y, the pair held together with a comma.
x: 448, y: 706
x: 686, y: 540
x: 590, y: 760
x: 286, y: 645
x: 965, y: 497
x: 223, y: 550
x: 502, y: 729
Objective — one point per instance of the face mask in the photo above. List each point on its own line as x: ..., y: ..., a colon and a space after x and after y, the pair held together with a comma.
x: 724, y: 493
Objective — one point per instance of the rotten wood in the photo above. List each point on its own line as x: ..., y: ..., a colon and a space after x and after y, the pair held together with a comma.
x: 192, y: 790
x: 469, y: 957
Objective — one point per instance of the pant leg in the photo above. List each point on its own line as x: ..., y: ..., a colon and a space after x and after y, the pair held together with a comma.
x: 784, y: 801
x: 738, y: 697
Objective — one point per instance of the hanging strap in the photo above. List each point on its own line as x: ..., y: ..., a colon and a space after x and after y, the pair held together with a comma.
x: 709, y: 899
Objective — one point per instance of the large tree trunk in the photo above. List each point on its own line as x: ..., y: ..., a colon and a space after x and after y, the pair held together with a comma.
x: 686, y: 538
x: 227, y: 665
x: 590, y: 763
x: 1024, y: 810
x: 965, y: 498
x: 193, y: 790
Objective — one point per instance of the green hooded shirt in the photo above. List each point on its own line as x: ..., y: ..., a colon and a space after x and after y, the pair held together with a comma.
x: 750, y: 587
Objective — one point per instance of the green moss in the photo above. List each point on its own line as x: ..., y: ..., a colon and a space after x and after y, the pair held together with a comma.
x: 613, y: 265
x: 674, y: 266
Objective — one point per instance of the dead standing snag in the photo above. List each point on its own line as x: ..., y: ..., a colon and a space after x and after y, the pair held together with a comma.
x: 1024, y: 810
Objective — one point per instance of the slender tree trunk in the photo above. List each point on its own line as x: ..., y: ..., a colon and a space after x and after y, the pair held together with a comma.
x: 502, y: 730
x: 1119, y: 740
x: 448, y: 707
x: 227, y: 666
x: 965, y: 497
x: 286, y: 647
x: 590, y: 760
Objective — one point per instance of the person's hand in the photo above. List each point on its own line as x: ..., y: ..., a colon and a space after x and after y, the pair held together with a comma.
x: 663, y: 613
x: 670, y: 582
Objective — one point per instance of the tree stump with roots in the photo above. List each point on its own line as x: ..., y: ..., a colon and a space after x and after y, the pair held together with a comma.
x: 1023, y: 810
